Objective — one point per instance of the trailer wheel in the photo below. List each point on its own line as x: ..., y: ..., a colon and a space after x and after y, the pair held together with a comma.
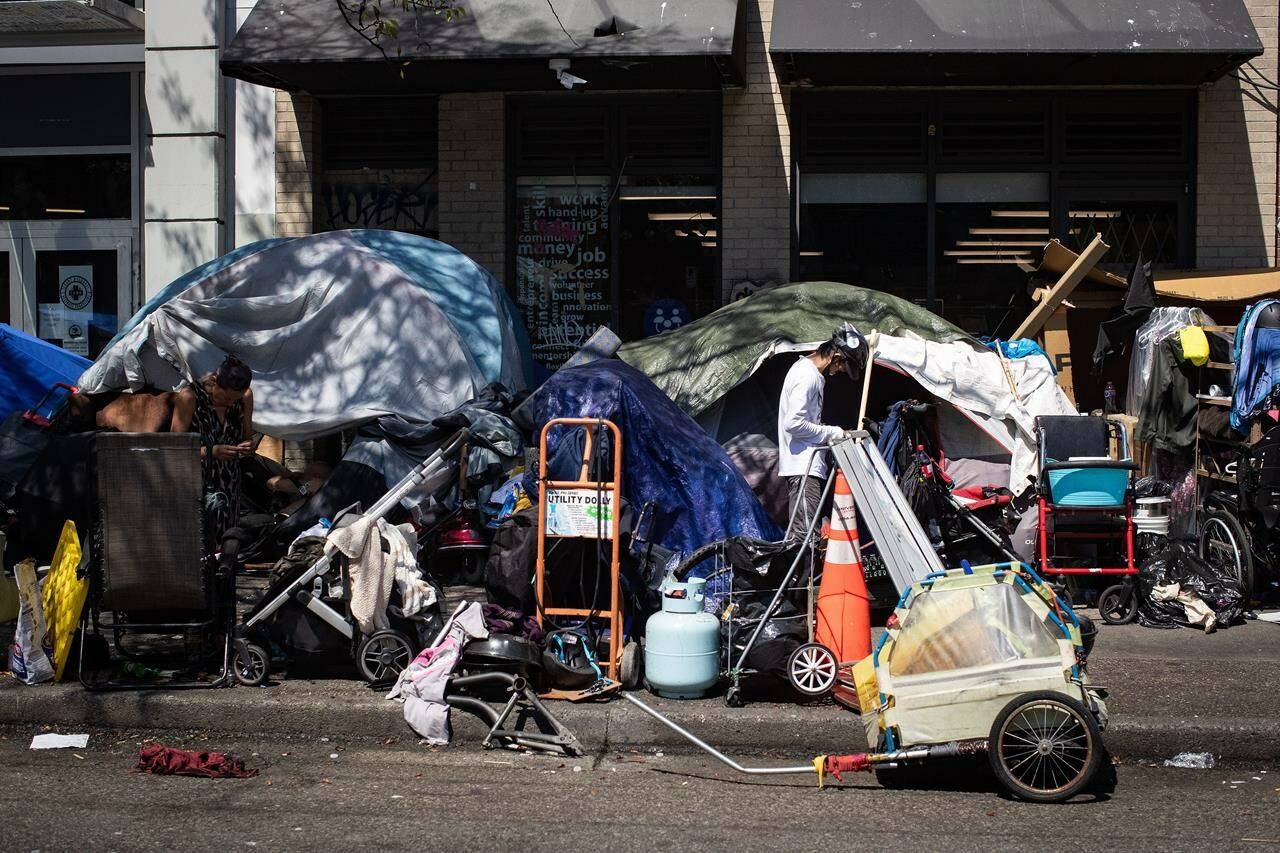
x: 383, y: 655
x: 811, y: 669
x: 1044, y: 747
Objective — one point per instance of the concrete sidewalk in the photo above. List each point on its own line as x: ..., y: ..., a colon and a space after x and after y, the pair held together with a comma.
x: 1170, y: 691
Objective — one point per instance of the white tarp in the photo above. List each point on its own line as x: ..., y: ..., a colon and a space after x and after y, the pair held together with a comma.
x: 335, y: 332
x: 973, y: 380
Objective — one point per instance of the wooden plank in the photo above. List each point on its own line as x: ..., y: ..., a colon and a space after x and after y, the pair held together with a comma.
x: 1209, y: 475
x: 1070, y: 280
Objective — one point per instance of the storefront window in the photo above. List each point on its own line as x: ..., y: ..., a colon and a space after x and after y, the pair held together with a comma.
x: 82, y: 186
x: 867, y: 229
x: 564, y: 267
x: 668, y: 247
x: 615, y: 217
x: 948, y: 198
x: 990, y: 227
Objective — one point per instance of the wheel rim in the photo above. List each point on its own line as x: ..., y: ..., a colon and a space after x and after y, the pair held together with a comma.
x: 384, y: 657
x: 1219, y: 545
x: 1045, y: 747
x: 813, y: 669
x: 254, y: 669
x: 1116, y: 607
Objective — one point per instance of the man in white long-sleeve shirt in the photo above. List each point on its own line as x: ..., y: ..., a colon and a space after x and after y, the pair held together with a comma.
x: 800, y: 428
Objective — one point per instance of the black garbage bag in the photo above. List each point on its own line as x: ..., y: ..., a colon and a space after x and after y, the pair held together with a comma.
x: 1152, y: 487
x: 1177, y: 562
x: 782, y: 634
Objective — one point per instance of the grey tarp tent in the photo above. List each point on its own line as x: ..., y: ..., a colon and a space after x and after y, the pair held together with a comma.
x: 339, y: 328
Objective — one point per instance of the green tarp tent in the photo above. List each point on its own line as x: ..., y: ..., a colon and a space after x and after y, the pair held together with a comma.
x: 697, y: 364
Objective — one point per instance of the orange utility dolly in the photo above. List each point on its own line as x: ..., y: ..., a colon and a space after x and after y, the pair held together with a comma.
x: 586, y: 508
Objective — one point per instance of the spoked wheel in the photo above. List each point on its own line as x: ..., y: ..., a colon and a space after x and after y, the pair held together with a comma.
x: 1118, y: 604
x: 811, y: 669
x: 1223, y: 544
x: 1044, y: 747
x: 251, y: 665
x: 383, y: 655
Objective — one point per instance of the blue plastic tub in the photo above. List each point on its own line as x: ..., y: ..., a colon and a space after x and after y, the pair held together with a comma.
x: 1088, y: 487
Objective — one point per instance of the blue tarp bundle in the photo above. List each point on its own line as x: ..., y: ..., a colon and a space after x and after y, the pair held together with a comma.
x: 29, y: 367
x: 699, y: 495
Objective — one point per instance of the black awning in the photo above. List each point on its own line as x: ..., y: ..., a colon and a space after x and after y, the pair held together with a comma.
x: 498, y: 45
x: 1010, y: 42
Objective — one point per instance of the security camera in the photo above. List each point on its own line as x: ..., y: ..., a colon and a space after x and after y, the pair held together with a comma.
x: 560, y: 67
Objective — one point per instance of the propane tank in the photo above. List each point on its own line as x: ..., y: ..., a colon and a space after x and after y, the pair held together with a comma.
x: 682, y: 643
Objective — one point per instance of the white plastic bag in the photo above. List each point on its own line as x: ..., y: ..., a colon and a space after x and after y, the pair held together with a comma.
x: 27, y: 658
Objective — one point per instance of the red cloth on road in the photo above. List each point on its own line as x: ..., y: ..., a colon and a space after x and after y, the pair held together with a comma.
x: 169, y: 761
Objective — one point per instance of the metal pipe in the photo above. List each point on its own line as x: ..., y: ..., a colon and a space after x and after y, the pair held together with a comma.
x: 711, y: 750
x: 786, y: 581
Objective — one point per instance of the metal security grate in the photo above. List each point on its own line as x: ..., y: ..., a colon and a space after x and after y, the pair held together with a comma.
x: 884, y: 132
x: 986, y: 131
x: 551, y: 139
x: 1136, y: 135
x: 684, y: 136
x: 379, y: 133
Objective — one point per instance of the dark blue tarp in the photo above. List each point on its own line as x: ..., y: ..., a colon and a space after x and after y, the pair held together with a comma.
x: 700, y: 497
x: 29, y: 367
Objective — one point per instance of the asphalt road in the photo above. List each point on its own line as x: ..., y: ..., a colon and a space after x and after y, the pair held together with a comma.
x: 402, y: 796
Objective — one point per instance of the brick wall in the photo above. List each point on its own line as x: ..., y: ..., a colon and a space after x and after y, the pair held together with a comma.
x: 472, y: 178
x: 1236, y: 174
x: 756, y: 237
x: 297, y: 132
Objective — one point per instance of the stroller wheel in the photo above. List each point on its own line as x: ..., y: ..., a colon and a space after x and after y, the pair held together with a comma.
x: 1118, y: 604
x: 383, y: 655
x: 1044, y: 747
x: 252, y: 665
x: 811, y: 669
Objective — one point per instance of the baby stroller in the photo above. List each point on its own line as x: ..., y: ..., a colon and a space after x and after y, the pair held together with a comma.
x: 1086, y: 496
x: 309, y: 600
x: 163, y: 603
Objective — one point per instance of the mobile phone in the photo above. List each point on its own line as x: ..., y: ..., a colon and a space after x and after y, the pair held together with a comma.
x: 255, y: 441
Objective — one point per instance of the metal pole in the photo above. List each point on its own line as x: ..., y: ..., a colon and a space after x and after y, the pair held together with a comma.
x: 711, y: 750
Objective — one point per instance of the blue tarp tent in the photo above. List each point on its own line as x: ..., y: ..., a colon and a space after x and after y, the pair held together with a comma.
x: 339, y: 328
x: 29, y: 367
x: 699, y: 495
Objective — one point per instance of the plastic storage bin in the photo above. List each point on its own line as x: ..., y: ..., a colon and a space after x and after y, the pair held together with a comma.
x: 1088, y: 487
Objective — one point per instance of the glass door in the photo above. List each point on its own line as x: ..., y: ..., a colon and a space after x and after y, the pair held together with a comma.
x: 70, y: 290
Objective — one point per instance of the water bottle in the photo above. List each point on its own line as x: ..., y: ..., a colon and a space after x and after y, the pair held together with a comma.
x: 1109, y: 399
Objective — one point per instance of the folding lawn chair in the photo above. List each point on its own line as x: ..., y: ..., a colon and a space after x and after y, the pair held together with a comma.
x: 164, y: 604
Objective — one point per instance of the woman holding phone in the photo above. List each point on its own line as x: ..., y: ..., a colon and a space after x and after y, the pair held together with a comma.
x: 219, y: 406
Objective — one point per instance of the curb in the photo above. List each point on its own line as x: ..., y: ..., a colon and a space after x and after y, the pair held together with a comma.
x: 340, y: 709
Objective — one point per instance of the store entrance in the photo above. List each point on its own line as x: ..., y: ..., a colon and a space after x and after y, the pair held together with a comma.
x: 68, y: 286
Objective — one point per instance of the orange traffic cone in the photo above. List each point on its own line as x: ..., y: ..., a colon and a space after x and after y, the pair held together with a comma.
x: 843, y: 617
